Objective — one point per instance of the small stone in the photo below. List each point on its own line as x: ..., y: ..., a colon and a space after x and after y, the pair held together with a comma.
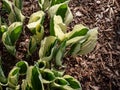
x: 79, y: 14
x: 98, y: 2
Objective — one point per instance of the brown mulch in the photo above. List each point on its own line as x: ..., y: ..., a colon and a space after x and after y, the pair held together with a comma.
x: 98, y: 70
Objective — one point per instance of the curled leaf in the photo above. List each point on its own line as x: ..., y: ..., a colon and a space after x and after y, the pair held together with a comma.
x: 90, y: 43
x: 14, y: 12
x: 58, y: 28
x: 23, y: 67
x: 10, y: 37
x: 13, y: 78
x: 34, y: 79
x: 48, y: 47
x: 48, y: 76
x: 35, y: 25
x: 63, y: 10
x: 59, y: 84
x: 73, y: 83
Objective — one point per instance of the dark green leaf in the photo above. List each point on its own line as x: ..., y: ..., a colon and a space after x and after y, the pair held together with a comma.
x: 62, y: 11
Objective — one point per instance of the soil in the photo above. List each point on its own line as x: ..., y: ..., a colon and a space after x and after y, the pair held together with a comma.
x: 98, y: 70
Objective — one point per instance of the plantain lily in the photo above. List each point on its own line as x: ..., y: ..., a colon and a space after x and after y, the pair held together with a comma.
x: 63, y: 10
x: 13, y: 78
x: 83, y: 44
x: 43, y: 75
x: 42, y: 64
x: 44, y: 4
x: 73, y: 83
x: 23, y: 66
x: 48, y: 76
x: 15, y: 14
x: 59, y: 84
x: 10, y: 37
x: 48, y: 47
x: 58, y: 28
x: 90, y: 43
x: 35, y: 25
x: 34, y: 79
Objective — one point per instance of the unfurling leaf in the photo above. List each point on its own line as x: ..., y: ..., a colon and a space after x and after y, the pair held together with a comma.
x: 14, y: 12
x: 44, y: 4
x: 41, y: 64
x: 47, y: 76
x: 90, y: 43
x: 48, y: 47
x: 23, y: 67
x: 34, y: 79
x: 39, y: 15
x: 58, y: 28
x: 63, y: 10
x: 59, y: 84
x: 81, y: 40
x: 13, y: 78
x: 10, y: 37
x: 35, y: 25
x: 73, y: 83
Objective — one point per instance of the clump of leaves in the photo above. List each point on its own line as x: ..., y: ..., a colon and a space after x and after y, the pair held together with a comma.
x: 35, y: 25
x: 14, y: 10
x: 43, y: 75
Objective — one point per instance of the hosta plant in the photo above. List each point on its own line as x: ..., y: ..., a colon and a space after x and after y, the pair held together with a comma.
x: 38, y: 77
x: 35, y: 25
x: 10, y: 37
x: 14, y: 10
x: 57, y: 7
x: 44, y: 73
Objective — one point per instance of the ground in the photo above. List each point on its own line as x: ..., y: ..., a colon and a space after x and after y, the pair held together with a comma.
x: 98, y: 70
